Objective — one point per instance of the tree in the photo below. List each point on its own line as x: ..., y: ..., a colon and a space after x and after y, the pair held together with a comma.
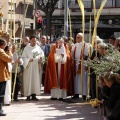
x: 48, y: 7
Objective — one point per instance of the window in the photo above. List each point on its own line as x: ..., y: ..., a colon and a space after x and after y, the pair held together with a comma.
x: 11, y: 7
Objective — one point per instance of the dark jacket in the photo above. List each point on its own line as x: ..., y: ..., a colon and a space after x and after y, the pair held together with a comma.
x: 4, y: 59
x: 47, y: 50
x: 114, y: 96
x: 104, y: 93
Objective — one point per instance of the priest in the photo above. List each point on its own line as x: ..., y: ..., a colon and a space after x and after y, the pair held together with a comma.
x: 58, y: 81
x: 79, y: 52
x: 33, y: 57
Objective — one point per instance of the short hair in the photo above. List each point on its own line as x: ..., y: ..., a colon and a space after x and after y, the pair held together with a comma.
x: 112, y: 37
x: 33, y: 36
x: 118, y: 38
x: 48, y: 37
x: 27, y: 38
x: 2, y: 41
x: 103, y: 45
x: 71, y: 39
x: 65, y: 38
x: 44, y: 36
x: 113, y: 77
x: 99, y: 40
x: 97, y: 37
x: 60, y: 38
x: 80, y: 34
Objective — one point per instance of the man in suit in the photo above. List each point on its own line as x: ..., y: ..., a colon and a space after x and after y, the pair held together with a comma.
x: 4, y: 72
x: 46, y: 49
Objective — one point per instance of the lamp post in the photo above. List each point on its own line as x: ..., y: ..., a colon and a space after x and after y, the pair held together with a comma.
x: 66, y: 17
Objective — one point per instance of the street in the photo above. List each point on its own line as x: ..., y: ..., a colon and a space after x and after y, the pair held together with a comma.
x: 46, y: 109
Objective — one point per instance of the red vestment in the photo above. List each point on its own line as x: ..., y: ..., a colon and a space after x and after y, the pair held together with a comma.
x: 66, y: 76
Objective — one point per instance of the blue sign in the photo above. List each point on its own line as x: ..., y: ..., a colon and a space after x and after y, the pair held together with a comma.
x: 44, y: 21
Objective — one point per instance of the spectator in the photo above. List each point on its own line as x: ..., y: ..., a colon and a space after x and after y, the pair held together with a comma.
x: 112, y: 80
x: 4, y: 72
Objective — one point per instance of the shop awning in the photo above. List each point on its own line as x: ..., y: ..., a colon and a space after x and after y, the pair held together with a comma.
x: 100, y: 26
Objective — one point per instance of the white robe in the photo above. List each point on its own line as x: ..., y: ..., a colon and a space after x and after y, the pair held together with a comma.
x: 7, y: 96
x: 32, y: 70
x: 57, y: 92
x: 80, y: 86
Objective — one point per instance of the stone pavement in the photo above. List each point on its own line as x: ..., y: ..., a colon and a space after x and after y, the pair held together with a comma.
x: 46, y: 109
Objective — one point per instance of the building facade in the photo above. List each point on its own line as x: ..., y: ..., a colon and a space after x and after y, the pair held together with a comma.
x: 13, y: 17
x: 110, y: 16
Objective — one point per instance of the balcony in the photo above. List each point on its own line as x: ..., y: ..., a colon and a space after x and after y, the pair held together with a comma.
x: 111, y: 8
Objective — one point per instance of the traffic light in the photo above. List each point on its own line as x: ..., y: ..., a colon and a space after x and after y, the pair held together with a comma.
x: 39, y: 24
x: 31, y: 25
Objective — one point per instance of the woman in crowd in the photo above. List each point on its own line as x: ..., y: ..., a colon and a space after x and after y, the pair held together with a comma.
x: 5, y: 57
x: 7, y: 97
x: 112, y: 80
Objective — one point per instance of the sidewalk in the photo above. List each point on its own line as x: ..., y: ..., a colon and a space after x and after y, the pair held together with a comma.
x: 46, y: 109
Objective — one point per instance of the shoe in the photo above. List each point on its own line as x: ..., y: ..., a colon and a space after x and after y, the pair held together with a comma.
x: 16, y: 100
x: 53, y: 98
x: 22, y: 95
x: 76, y: 96
x: 84, y: 97
x: 61, y: 99
x: 28, y: 98
x: 2, y: 113
x: 34, y: 98
x: 6, y: 104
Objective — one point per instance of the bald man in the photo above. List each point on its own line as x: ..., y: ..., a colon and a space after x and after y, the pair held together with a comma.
x: 80, y: 85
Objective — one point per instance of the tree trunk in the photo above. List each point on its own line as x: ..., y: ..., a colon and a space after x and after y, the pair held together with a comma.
x: 48, y: 27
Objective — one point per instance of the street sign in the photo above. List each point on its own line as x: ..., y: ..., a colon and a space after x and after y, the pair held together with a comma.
x: 44, y: 21
x: 37, y: 13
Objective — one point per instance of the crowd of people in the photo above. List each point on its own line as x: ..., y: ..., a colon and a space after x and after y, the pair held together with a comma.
x: 59, y: 68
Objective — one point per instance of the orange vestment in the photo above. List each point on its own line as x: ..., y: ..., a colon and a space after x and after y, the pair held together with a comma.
x: 66, y: 77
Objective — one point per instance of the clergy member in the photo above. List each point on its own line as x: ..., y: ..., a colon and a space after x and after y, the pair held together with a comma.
x: 56, y: 81
x: 80, y: 50
x: 32, y: 56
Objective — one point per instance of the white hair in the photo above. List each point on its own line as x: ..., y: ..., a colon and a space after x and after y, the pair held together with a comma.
x: 99, y: 40
x: 118, y: 38
x: 80, y: 34
x: 97, y: 37
x: 44, y: 37
x: 103, y: 45
x: 60, y: 38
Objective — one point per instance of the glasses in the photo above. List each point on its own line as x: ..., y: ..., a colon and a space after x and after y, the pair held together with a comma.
x: 43, y: 38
